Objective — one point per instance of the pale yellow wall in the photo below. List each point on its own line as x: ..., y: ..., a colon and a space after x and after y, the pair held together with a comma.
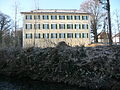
x: 51, y: 42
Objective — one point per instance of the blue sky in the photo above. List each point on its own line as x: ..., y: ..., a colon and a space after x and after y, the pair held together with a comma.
x: 7, y: 6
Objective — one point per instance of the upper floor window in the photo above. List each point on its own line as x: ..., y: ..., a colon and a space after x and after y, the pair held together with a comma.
x: 69, y: 17
x: 62, y: 17
x: 53, y: 26
x: 69, y: 35
x: 37, y: 35
x: 45, y: 26
x: 84, y: 35
x: 69, y: 26
x: 36, y: 17
x: 29, y: 35
x: 77, y: 26
x: 77, y: 35
x: 61, y: 26
x: 84, y: 17
x: 54, y: 17
x: 45, y: 17
x: 45, y: 35
x: 53, y: 35
x: 28, y: 17
x: 36, y: 26
x: 28, y: 26
x: 61, y: 35
x: 77, y: 17
x: 85, y: 26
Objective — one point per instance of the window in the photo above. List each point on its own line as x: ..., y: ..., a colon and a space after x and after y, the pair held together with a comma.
x: 28, y: 17
x: 85, y: 35
x: 69, y: 18
x: 77, y: 17
x: 45, y: 26
x: 61, y: 26
x: 53, y: 35
x: 37, y: 35
x: 69, y: 26
x: 36, y: 17
x: 77, y: 35
x: 54, y: 17
x: 28, y: 36
x: 69, y: 35
x: 45, y: 35
x: 28, y: 26
x: 45, y: 17
x: 36, y: 26
x: 85, y: 26
x: 53, y: 26
x: 61, y: 35
x: 62, y: 17
x: 77, y: 26
x: 84, y: 17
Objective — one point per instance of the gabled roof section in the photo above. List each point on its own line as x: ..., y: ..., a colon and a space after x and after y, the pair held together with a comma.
x: 102, y: 35
x: 116, y: 35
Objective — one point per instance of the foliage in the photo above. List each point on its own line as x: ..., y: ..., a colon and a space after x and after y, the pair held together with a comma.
x: 93, y: 67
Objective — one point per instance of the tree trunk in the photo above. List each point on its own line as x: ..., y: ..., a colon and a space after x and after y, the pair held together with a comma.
x: 0, y: 37
x: 95, y: 36
x: 94, y: 25
x: 109, y: 23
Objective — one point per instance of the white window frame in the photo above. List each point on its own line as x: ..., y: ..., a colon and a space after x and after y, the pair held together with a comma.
x: 28, y: 26
x: 85, y: 17
x: 37, y: 26
x: 70, y: 17
x: 61, y: 26
x: 69, y: 35
x: 46, y: 35
x: 77, y: 17
x: 45, y: 17
x: 77, y: 26
x: 28, y: 17
x: 46, y: 26
x: 28, y: 35
x: 53, y: 35
x: 37, y: 35
x: 53, y: 17
x: 61, y: 17
x: 69, y: 26
x: 62, y: 35
x: 37, y: 17
x: 77, y: 35
x: 53, y: 26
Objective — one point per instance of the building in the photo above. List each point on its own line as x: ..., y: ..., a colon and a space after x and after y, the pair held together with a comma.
x: 47, y: 27
x: 116, y: 38
x: 103, y: 38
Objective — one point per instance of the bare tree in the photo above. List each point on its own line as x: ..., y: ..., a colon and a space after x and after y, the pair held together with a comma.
x: 5, y: 26
x: 97, y: 15
x: 117, y: 22
x: 16, y: 7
